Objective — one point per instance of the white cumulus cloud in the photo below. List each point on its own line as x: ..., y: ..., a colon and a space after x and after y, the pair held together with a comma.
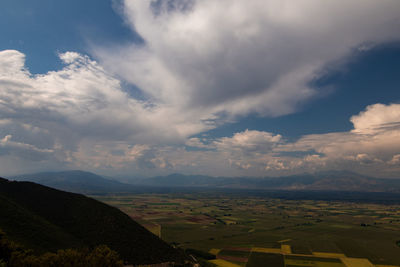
x: 234, y: 57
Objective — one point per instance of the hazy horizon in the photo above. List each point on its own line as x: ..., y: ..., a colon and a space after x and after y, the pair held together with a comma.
x: 133, y: 177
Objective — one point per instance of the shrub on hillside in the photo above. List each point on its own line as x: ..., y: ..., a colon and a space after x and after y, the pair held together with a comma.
x: 13, y: 255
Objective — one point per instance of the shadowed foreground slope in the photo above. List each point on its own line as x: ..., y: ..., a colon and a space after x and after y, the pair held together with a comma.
x: 47, y: 219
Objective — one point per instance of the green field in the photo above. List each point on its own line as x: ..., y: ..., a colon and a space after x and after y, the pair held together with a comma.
x: 237, y: 224
x: 265, y: 259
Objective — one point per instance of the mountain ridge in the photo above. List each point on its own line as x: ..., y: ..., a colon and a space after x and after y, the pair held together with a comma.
x: 47, y: 219
x: 86, y: 182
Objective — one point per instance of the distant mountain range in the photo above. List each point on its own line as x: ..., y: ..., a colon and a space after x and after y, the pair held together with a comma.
x: 76, y: 181
x: 86, y: 182
x: 323, y: 181
x: 46, y: 219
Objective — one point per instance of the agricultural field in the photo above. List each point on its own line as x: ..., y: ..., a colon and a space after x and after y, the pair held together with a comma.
x: 245, y: 230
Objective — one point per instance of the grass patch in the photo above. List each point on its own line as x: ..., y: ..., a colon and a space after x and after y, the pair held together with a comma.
x: 234, y: 253
x: 258, y: 259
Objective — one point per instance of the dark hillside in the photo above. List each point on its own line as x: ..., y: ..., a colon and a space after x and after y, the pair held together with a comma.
x: 83, y: 220
x: 34, y: 231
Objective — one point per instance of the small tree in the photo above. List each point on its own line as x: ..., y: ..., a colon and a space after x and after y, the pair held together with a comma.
x: 103, y: 256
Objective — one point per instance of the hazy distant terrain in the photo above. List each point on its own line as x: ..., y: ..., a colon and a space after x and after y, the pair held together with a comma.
x: 326, y: 181
x: 86, y: 182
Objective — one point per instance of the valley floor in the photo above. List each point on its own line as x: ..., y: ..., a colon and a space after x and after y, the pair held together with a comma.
x: 244, y: 230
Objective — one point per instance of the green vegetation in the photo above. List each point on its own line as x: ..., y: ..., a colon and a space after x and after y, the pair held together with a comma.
x: 234, y: 223
x: 14, y: 255
x: 45, y: 219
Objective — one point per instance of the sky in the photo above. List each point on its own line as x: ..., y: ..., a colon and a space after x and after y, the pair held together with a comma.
x: 222, y: 88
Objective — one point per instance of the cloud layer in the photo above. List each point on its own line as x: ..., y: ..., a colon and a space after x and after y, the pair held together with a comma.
x: 370, y: 150
x: 239, y: 57
x: 201, y: 64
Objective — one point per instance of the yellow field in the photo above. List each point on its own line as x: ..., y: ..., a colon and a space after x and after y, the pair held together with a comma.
x: 283, y: 241
x: 328, y: 255
x: 286, y: 249
x: 214, y: 251
x: 353, y: 262
x: 223, y: 263
x: 266, y: 250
